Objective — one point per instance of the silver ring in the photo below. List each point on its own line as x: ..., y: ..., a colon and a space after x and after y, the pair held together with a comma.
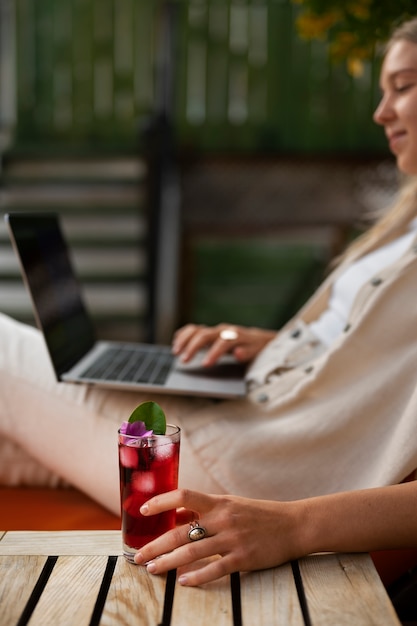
x: 228, y: 334
x: 196, y: 532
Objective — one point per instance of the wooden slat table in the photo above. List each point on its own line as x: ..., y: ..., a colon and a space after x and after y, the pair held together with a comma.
x: 81, y: 579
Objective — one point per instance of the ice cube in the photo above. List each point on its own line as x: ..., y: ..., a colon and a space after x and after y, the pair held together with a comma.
x: 165, y: 451
x: 128, y: 456
x: 144, y: 482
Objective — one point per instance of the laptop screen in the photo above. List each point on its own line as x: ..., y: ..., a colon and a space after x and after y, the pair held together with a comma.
x: 59, y: 308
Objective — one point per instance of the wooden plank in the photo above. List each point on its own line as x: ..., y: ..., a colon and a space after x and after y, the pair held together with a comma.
x: 345, y: 589
x: 342, y: 589
x: 71, y: 592
x: 207, y: 604
x: 83, y: 542
x: 18, y: 577
x: 270, y: 597
x: 135, y: 597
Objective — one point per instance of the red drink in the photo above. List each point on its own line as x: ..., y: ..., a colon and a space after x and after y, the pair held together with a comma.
x: 148, y: 466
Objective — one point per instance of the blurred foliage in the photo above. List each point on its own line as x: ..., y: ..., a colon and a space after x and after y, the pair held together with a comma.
x: 354, y: 29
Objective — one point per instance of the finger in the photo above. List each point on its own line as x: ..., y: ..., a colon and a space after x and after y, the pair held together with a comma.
x: 207, y: 572
x: 184, y: 515
x: 185, y: 555
x: 222, y: 346
x: 217, y: 350
x: 172, y: 543
x: 183, y: 336
x: 244, y: 353
x: 201, y: 339
x: 179, y: 498
x: 164, y: 544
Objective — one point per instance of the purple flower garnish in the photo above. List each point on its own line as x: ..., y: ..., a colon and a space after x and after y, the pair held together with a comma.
x: 135, y: 429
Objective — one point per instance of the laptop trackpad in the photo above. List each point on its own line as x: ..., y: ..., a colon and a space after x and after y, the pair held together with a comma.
x: 227, y: 377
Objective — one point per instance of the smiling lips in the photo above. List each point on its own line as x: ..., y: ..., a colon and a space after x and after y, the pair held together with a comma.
x: 395, y: 139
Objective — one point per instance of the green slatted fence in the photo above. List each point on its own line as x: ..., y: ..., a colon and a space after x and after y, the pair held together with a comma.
x: 243, y: 79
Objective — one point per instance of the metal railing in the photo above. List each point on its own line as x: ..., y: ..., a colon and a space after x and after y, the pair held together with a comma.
x: 7, y: 74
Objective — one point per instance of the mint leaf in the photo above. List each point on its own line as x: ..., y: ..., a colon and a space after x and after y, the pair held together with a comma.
x: 152, y: 415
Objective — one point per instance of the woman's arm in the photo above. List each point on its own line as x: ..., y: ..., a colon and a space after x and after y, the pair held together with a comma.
x: 246, y: 534
x: 364, y: 520
x: 191, y: 338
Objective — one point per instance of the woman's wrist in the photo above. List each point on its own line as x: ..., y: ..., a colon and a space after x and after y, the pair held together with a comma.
x: 323, y: 523
x: 305, y: 527
x: 332, y: 523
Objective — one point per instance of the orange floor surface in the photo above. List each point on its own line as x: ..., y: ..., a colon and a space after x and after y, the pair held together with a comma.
x: 52, y: 509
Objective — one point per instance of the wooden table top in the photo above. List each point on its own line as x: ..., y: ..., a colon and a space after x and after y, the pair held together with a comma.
x: 80, y: 578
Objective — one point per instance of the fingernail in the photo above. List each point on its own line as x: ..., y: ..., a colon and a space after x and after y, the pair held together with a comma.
x: 182, y: 580
x: 144, y: 509
x: 138, y: 558
x: 151, y: 567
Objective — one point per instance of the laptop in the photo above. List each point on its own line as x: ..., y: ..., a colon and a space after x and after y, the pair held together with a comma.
x: 76, y: 355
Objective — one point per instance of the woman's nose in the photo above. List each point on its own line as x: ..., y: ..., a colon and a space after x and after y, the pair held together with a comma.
x: 384, y: 111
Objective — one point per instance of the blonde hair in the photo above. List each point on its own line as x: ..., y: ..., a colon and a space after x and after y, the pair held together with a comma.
x: 395, y: 219
x: 406, y: 31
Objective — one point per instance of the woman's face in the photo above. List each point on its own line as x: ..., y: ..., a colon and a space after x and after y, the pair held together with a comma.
x: 397, y: 111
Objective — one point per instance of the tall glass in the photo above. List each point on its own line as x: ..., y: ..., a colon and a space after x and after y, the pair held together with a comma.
x: 148, y: 466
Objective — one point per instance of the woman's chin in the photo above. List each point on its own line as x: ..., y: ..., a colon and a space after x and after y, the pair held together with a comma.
x: 406, y: 165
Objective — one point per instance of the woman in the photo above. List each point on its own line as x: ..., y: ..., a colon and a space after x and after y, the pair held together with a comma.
x: 332, y: 398
x: 237, y: 529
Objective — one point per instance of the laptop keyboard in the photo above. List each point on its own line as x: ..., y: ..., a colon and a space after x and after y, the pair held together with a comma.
x: 132, y: 365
